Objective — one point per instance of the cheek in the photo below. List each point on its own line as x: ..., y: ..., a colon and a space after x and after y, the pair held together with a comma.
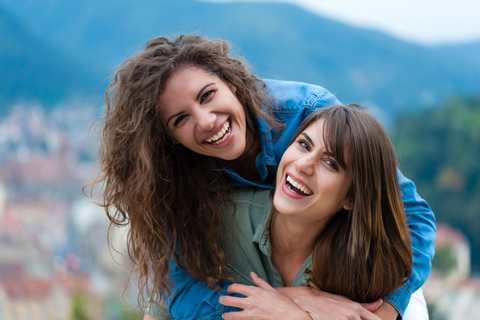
x: 184, y: 136
x: 281, y: 169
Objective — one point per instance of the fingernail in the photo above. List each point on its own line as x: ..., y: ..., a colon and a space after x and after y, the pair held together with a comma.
x: 254, y: 274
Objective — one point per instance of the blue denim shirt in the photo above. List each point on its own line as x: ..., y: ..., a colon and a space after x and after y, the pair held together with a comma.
x: 293, y: 102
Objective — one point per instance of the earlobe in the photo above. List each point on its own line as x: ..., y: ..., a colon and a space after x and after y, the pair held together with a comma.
x: 348, y: 205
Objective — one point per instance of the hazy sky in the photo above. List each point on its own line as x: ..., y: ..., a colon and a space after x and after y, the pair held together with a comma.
x: 421, y: 21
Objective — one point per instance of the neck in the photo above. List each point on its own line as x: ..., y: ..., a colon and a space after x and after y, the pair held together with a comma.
x: 292, y: 243
x: 290, y: 236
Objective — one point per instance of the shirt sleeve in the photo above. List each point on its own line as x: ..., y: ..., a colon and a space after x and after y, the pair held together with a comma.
x: 191, y: 299
x: 421, y: 222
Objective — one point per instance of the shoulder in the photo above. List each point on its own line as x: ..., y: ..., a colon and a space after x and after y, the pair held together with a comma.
x: 292, y: 95
x: 249, y: 208
x: 253, y: 197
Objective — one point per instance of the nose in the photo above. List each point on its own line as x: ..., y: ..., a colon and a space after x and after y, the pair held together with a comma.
x: 205, y: 120
x: 305, y: 164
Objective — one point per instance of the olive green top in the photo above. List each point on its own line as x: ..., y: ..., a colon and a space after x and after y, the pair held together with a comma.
x: 246, y: 242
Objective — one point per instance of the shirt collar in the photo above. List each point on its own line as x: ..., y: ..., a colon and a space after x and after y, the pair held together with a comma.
x: 262, y: 238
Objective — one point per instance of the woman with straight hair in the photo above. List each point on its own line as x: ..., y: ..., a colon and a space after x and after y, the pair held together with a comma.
x: 337, y: 223
x: 185, y: 122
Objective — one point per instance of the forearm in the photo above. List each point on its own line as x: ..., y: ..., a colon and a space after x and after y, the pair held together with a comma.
x: 386, y: 312
x: 193, y: 299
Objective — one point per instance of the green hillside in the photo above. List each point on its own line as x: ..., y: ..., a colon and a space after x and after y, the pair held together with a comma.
x: 32, y: 70
x: 280, y: 40
x: 439, y: 149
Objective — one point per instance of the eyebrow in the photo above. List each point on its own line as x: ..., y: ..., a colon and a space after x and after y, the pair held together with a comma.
x: 308, y: 138
x: 196, y: 98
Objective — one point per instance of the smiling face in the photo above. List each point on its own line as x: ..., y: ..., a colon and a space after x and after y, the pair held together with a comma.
x: 203, y: 113
x: 310, y: 182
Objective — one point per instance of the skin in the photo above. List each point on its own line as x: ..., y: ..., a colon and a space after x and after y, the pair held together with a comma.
x: 265, y: 302
x: 197, y: 106
x: 308, y: 162
x: 300, y: 217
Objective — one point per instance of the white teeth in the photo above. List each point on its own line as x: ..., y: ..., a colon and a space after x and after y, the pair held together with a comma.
x: 223, y: 134
x: 298, y: 186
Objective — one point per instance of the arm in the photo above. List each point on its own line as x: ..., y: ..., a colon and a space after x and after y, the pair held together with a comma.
x: 421, y: 223
x: 191, y: 299
x: 261, y: 302
x: 264, y: 302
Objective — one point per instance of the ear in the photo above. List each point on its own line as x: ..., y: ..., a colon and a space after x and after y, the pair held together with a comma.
x: 232, y: 87
x: 348, y: 205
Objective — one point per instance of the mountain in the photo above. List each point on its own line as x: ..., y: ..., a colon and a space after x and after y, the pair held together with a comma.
x: 32, y: 70
x: 279, y: 40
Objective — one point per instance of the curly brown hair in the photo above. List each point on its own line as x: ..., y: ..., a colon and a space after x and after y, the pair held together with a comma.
x: 167, y: 194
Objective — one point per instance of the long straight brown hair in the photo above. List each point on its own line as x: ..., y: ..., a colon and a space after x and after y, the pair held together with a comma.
x: 363, y: 254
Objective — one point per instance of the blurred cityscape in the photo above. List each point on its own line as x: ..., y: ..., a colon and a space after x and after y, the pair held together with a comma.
x: 54, y: 259
x: 55, y: 262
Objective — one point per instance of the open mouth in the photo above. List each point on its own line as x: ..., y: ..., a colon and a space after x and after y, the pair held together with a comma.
x: 222, y: 135
x: 297, y: 187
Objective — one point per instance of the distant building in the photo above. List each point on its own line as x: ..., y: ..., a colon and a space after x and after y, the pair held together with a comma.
x: 460, y: 248
x: 460, y: 302
x: 3, y: 199
x: 450, y: 291
x: 32, y: 299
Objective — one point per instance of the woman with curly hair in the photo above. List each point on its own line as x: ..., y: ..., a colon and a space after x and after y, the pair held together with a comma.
x: 184, y: 123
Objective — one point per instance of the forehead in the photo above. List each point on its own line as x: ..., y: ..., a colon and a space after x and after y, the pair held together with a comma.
x: 182, y: 87
x: 331, y: 136
x: 316, y: 131
x: 189, y: 78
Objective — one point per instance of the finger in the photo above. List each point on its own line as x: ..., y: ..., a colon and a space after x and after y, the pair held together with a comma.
x: 367, y: 315
x: 240, y: 288
x: 373, y: 306
x: 259, y: 282
x: 370, y: 316
x: 232, y: 301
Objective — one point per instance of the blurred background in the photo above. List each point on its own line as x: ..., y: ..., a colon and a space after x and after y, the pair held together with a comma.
x: 415, y: 65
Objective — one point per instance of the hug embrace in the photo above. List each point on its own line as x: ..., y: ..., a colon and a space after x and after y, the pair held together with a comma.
x: 256, y: 199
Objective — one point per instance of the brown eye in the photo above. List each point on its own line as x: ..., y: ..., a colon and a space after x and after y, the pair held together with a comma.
x: 178, y: 120
x: 332, y: 164
x: 206, y: 95
x: 304, y: 144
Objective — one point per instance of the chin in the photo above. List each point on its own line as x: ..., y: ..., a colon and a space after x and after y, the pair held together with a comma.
x: 230, y: 156
x: 276, y: 202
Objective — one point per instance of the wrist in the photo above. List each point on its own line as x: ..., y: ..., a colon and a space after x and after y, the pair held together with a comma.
x: 386, y: 311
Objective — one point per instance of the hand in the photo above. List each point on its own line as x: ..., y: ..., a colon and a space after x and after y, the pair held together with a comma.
x: 325, y: 305
x: 261, y: 302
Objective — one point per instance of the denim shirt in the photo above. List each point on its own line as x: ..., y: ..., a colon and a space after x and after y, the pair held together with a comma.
x: 293, y: 102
